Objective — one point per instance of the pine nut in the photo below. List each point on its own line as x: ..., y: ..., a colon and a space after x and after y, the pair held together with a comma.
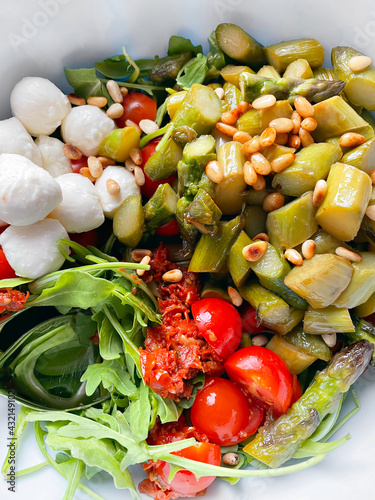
x: 219, y: 92
x: 173, y: 276
x: 242, y: 137
x: 303, y: 107
x: 348, y: 254
x: 76, y: 100
x: 370, y: 212
x: 330, y: 339
x: 308, y: 249
x: 255, y: 251
x: 320, y: 191
x: 214, y: 171
x: 282, y: 162
x: 106, y: 162
x: 260, y: 184
x: 97, y: 101
x: 124, y: 91
x: 136, y: 156
x: 372, y: 176
x: 139, y: 253
x: 294, y: 141
x: 146, y: 260
x: 293, y: 256
x: 250, y: 176
x: 306, y: 137
x: 251, y: 146
x: 309, y: 124
x: 296, y: 119
x: 226, y: 129
x: 359, y: 63
x: 115, y: 111
x: 273, y: 201
x: 262, y: 237
x: 113, y: 187
x: 95, y: 166
x: 130, y: 123
x: 351, y: 140
x: 282, y: 139
x: 130, y: 165
x: 259, y: 340
x: 86, y: 173
x: 72, y: 152
x: 231, y: 459
x: 243, y: 106
x: 114, y: 91
x: 139, y: 176
x: 148, y: 126
x: 230, y: 117
x: 267, y: 137
x: 282, y: 125
x: 264, y: 102
x: 261, y: 165
x: 235, y: 297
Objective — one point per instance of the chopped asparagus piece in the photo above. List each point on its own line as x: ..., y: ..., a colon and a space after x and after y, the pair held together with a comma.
x: 363, y: 331
x: 231, y: 74
x: 129, y: 221
x: 166, y: 69
x: 203, y: 213
x: 232, y: 96
x: 183, y: 135
x: 160, y: 208
x: 238, y: 266
x: 295, y: 358
x: 118, y: 144
x: 295, y: 318
x: 163, y: 163
x: 256, y: 198
x: 366, y: 308
x: 274, y: 151
x: 276, y: 443
x: 174, y: 101
x: 240, y: 46
x: 212, y: 290
x: 269, y: 72
x: 300, y: 68
x: 255, y: 121
x: 328, y: 320
x: 326, y: 243
x: 313, y: 345
x: 280, y: 55
x: 362, y: 157
x: 255, y: 220
x: 325, y: 74
x: 189, y: 233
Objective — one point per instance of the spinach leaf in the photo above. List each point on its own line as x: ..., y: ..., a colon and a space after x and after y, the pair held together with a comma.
x: 179, y: 44
x: 194, y: 71
x: 85, y: 83
x: 112, y: 375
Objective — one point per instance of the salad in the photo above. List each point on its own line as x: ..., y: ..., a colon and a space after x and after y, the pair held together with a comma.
x: 187, y: 266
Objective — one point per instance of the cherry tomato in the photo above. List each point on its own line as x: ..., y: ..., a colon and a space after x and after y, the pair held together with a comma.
x: 149, y: 187
x: 78, y: 164
x: 137, y: 107
x: 250, y: 323
x: 2, y: 228
x: 262, y: 374
x: 297, y: 390
x: 6, y: 271
x: 86, y: 239
x: 219, y: 323
x: 168, y: 229
x: 184, y: 482
x: 370, y: 319
x: 223, y: 413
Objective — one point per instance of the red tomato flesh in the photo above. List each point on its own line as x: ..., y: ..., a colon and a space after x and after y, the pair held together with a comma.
x: 6, y: 271
x: 223, y: 413
x: 297, y: 390
x: 149, y: 187
x: 78, y: 164
x: 250, y: 323
x: 168, y: 229
x: 263, y: 375
x: 219, y: 323
x: 85, y: 239
x: 137, y: 107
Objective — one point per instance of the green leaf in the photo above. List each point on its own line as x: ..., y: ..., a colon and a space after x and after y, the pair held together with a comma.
x: 167, y: 409
x: 110, y: 343
x: 117, y: 67
x: 194, y: 71
x: 112, y: 375
x: 215, y: 58
x: 74, y: 479
x: 138, y: 414
x: 13, y: 282
x: 179, y: 45
x: 85, y: 83
x: 311, y: 448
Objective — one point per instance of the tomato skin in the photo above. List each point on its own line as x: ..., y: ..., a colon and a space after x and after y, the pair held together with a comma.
x: 6, y: 271
x: 184, y: 482
x: 297, y: 390
x: 370, y: 319
x: 149, y: 187
x: 219, y: 323
x: 78, y: 164
x: 86, y: 238
x: 262, y: 374
x: 223, y: 413
x: 168, y: 229
x: 250, y: 323
x: 137, y: 107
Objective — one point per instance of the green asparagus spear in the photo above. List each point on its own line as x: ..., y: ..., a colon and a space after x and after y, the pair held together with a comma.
x: 232, y: 96
x: 160, y: 208
x: 231, y: 74
x: 366, y: 308
x: 203, y: 213
x: 238, y: 45
x: 166, y: 69
x: 189, y: 233
x: 295, y: 358
x: 328, y: 320
x: 362, y: 157
x: 312, y: 345
x: 279, y: 55
x: 255, y: 219
x: 255, y: 121
x: 300, y: 68
x: 268, y: 71
x: 254, y: 86
x: 129, y: 222
x: 238, y: 266
x: 277, y: 442
x: 363, y: 331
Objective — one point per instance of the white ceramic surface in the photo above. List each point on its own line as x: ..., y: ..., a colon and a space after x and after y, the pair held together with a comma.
x: 40, y: 37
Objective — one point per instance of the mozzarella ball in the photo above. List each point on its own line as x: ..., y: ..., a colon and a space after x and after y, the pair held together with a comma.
x: 14, y: 138
x: 53, y: 157
x: 31, y: 250
x: 80, y: 209
x: 124, y: 179
x: 85, y: 127
x: 27, y: 192
x: 39, y: 105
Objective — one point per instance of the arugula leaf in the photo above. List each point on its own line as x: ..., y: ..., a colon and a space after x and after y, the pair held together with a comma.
x: 112, y: 375
x: 215, y: 58
x: 138, y: 414
x: 13, y: 282
x: 85, y: 83
x: 194, y: 71
x: 73, y: 479
x: 110, y: 344
x: 167, y: 409
x: 179, y: 45
x: 118, y: 68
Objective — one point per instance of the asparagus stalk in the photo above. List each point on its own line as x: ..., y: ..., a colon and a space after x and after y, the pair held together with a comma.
x: 280, y: 55
x: 268, y: 71
x: 255, y: 121
x: 363, y: 331
x: 238, y: 266
x: 277, y: 442
x: 166, y: 69
x: 300, y: 68
x: 312, y: 345
x: 366, y: 308
x: 174, y: 101
x: 160, y: 208
x: 240, y: 46
x: 203, y: 213
x: 328, y: 320
x: 231, y: 74
x: 129, y: 221
x: 232, y: 96
x: 362, y: 157
x: 295, y: 358
x: 255, y: 219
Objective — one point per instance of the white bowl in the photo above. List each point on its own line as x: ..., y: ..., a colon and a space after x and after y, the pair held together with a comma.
x: 40, y: 37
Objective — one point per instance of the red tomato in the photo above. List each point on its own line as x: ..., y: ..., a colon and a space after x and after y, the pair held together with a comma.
x: 250, y: 323
x: 149, y: 187
x: 262, y: 374
x: 2, y: 228
x: 184, y: 482
x: 137, y: 107
x: 370, y: 319
x: 86, y: 239
x: 6, y: 271
x: 219, y: 323
x: 223, y: 413
x: 297, y: 390
x: 78, y: 164
x: 168, y: 229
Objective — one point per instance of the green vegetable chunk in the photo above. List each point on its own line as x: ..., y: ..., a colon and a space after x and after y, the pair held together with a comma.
x: 238, y: 266
x: 362, y: 157
x: 166, y: 69
x: 203, y: 213
x: 160, y: 208
x: 255, y: 121
x: 328, y: 320
x: 280, y: 55
x: 240, y: 46
x: 313, y: 345
x: 294, y: 356
x: 129, y: 221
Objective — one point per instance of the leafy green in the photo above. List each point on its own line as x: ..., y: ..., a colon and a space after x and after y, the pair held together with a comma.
x: 118, y: 68
x: 85, y: 83
x: 194, y: 71
x: 138, y: 414
x: 179, y: 45
x: 111, y: 375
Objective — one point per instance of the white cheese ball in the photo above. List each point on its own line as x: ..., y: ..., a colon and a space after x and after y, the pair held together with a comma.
x: 27, y: 192
x: 39, y: 105
x: 85, y: 127
x: 31, y: 250
x: 14, y: 138
x: 80, y: 209
x: 53, y: 157
x: 124, y: 179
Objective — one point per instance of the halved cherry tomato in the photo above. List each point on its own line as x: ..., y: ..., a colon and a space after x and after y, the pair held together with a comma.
x: 78, y: 164
x: 168, y: 229
x: 223, y: 413
x: 263, y: 375
x: 6, y: 271
x: 85, y: 239
x: 219, y: 323
x: 297, y: 390
x: 250, y: 323
x: 149, y: 187
x: 137, y: 107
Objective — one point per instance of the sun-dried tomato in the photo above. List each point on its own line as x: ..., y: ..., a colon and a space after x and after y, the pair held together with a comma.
x: 12, y: 300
